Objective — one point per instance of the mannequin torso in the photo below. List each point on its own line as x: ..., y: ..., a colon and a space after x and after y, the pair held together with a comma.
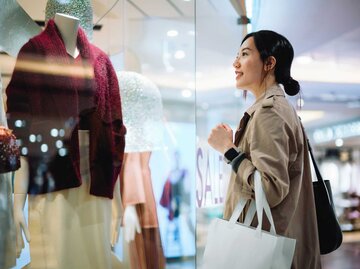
x: 68, y: 28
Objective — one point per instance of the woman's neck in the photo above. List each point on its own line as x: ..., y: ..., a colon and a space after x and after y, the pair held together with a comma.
x: 68, y: 28
x: 267, y: 82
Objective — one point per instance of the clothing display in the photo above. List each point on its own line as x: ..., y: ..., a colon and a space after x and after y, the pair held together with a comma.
x: 47, y: 105
x: 291, y: 203
x: 71, y: 228
x: 143, y: 112
x: 136, y: 189
x: 81, y: 9
x: 7, y: 227
x: 68, y: 120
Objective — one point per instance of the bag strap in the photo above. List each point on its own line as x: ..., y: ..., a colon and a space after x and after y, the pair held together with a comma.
x: 262, y: 204
x: 317, y: 171
x: 259, y: 205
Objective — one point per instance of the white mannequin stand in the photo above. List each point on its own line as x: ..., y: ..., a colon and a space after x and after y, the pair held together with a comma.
x: 68, y: 28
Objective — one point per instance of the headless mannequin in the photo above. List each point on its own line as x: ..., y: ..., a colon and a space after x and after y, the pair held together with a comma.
x: 68, y: 28
x: 140, y: 223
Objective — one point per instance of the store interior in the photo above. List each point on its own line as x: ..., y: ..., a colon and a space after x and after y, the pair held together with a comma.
x: 186, y: 48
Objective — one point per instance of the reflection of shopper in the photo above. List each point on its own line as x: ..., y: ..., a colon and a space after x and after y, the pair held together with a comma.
x: 273, y: 143
x: 174, y: 195
x: 176, y: 199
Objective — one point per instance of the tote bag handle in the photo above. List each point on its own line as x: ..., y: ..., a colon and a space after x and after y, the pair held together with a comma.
x: 260, y: 205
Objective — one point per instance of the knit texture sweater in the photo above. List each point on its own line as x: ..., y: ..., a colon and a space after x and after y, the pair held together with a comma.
x: 50, y: 96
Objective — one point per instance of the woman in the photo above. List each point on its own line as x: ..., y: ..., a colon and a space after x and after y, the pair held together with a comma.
x: 273, y: 143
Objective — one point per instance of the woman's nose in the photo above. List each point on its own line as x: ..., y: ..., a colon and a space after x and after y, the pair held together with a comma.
x: 236, y: 63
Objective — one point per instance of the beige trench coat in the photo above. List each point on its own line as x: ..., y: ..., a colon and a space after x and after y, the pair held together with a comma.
x: 275, y: 145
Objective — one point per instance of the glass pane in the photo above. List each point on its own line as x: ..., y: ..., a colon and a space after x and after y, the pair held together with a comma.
x: 217, y: 101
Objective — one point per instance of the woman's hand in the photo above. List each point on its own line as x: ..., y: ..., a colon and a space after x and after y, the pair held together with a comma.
x: 221, y: 138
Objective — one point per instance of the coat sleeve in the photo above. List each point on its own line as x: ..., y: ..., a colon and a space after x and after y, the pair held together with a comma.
x: 269, y: 138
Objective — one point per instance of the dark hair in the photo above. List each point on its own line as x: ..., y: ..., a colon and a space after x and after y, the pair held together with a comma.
x: 270, y: 43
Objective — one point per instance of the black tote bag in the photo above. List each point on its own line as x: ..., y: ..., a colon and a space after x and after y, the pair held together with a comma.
x: 330, y: 234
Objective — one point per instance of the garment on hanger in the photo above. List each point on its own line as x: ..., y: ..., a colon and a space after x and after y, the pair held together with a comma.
x: 146, y: 250
x: 48, y: 95
x: 7, y: 227
x: 81, y: 9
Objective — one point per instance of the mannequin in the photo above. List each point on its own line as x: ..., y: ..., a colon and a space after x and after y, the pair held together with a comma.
x: 142, y: 109
x: 7, y: 234
x: 67, y: 26
x: 70, y: 227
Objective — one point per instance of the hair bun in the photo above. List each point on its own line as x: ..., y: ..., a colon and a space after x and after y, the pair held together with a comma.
x: 291, y: 86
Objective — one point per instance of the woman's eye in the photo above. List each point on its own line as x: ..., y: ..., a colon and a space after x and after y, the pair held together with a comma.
x: 244, y: 54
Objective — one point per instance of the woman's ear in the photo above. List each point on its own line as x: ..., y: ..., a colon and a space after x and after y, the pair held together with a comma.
x: 270, y: 63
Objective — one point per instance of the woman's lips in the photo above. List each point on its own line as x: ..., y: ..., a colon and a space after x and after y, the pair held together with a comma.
x: 238, y: 74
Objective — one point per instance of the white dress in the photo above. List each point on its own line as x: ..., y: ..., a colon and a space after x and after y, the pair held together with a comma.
x: 71, y: 228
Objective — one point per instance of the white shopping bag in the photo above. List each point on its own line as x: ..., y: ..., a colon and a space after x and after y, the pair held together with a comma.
x: 234, y: 245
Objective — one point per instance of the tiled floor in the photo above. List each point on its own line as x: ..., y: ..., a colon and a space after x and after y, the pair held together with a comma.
x: 347, y: 256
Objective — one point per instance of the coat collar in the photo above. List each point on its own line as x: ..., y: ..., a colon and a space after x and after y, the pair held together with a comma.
x: 51, y: 31
x: 274, y: 90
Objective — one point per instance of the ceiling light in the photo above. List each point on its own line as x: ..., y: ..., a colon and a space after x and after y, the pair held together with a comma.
x: 172, y: 33
x: 18, y: 123
x: 339, y: 142
x: 24, y: 151
x: 54, y: 132
x: 186, y: 93
x: 62, y: 132
x: 59, y: 144
x: 179, y: 54
x: 62, y: 152
x: 32, y: 138
x: 44, y: 148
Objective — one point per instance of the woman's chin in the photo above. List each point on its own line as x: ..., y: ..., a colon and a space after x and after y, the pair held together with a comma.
x: 240, y: 86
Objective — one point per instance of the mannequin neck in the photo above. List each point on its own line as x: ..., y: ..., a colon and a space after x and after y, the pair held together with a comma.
x: 68, y: 28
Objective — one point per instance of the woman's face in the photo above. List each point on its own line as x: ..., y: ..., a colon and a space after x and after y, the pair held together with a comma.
x: 248, y: 66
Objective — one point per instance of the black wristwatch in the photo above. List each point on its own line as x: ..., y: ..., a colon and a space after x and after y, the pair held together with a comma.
x: 230, y: 155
